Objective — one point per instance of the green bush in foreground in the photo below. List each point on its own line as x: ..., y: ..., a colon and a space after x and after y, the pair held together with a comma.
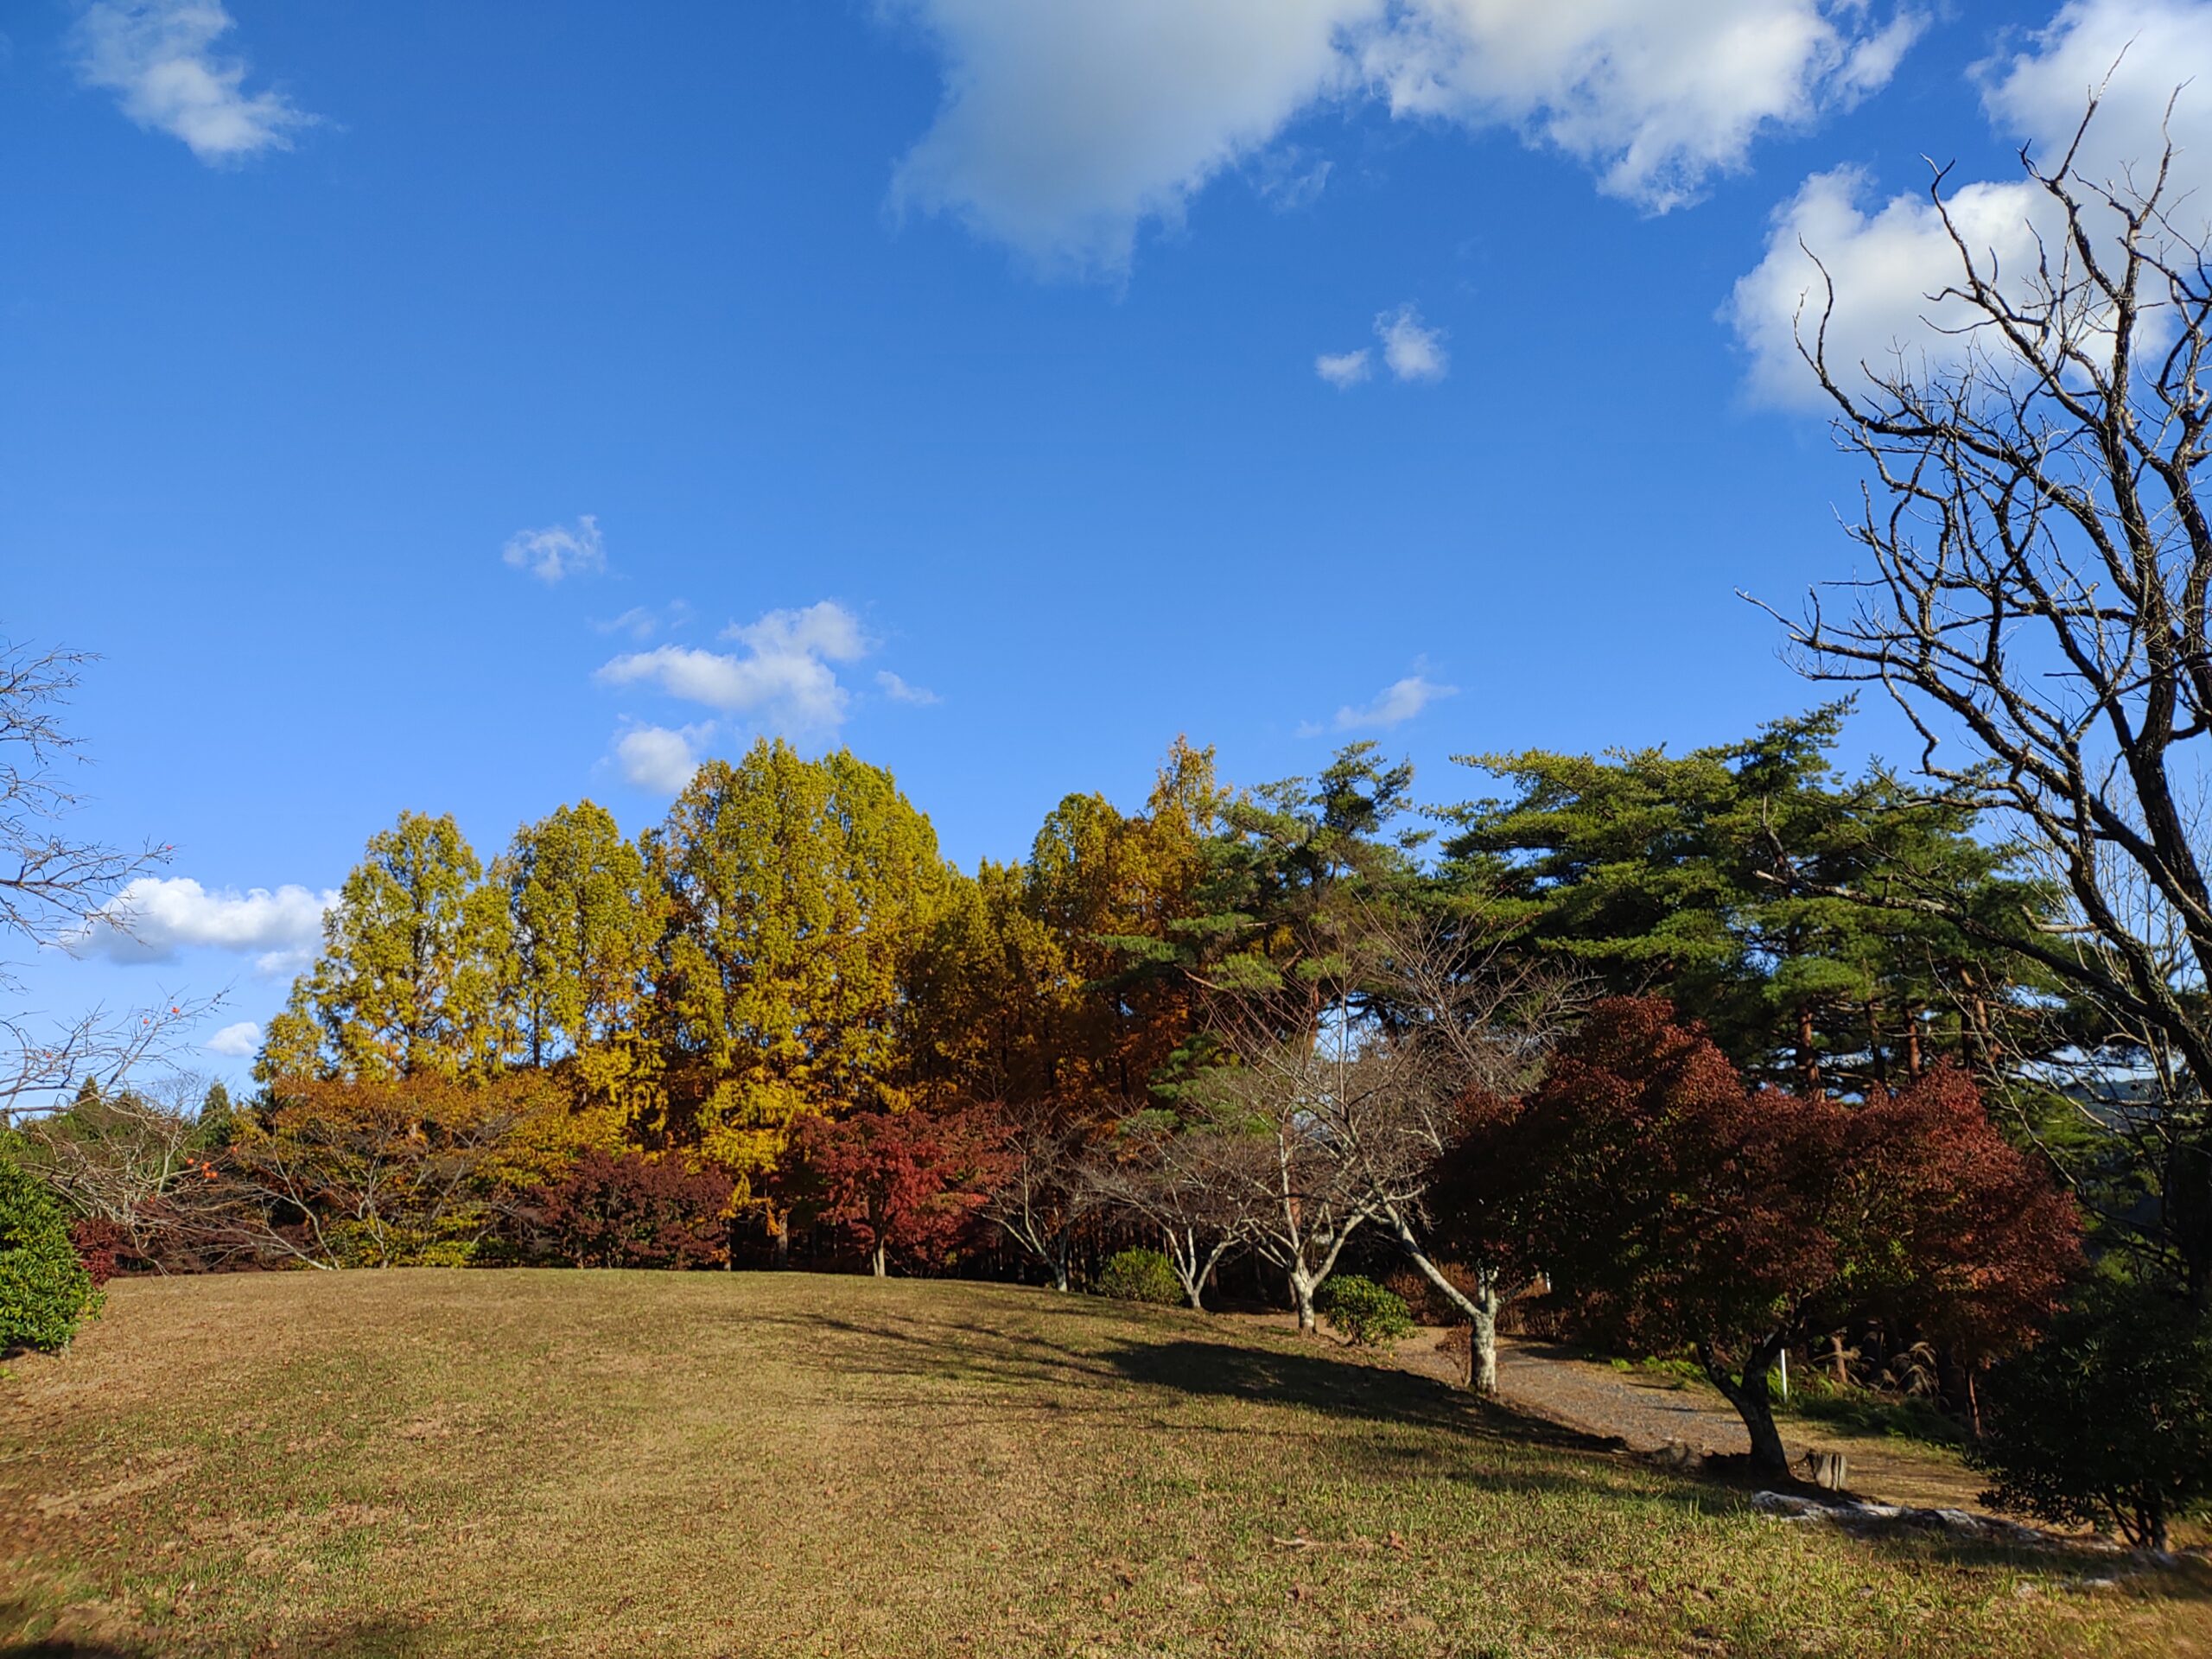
x: 1141, y: 1276
x: 2107, y: 1421
x: 44, y: 1289
x: 1367, y: 1314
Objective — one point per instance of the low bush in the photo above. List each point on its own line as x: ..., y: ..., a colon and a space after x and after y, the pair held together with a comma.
x: 98, y: 1242
x: 1367, y: 1314
x: 44, y: 1289
x: 636, y: 1212
x: 2107, y: 1421
x: 1141, y: 1276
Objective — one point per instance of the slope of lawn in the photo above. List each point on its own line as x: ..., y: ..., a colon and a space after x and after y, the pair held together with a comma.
x: 441, y: 1462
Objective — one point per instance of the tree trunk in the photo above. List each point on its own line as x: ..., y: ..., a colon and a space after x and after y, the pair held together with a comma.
x: 879, y: 1262
x: 1059, y: 1266
x: 1753, y: 1402
x: 780, y: 1234
x: 1301, y: 1294
x: 1809, y: 1058
x: 1481, y: 1338
x: 1481, y: 1309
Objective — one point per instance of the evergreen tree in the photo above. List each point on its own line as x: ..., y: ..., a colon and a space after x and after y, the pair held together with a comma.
x: 1747, y: 881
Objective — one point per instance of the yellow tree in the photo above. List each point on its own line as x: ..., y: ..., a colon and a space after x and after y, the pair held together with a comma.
x: 412, y: 960
x: 799, y: 890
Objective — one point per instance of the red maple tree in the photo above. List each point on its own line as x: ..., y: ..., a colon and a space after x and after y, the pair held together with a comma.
x: 1672, y: 1207
x: 907, y: 1184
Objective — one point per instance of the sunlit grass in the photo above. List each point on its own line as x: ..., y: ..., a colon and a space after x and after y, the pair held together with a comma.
x: 476, y: 1463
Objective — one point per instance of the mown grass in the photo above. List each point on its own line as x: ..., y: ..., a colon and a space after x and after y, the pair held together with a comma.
x: 433, y: 1463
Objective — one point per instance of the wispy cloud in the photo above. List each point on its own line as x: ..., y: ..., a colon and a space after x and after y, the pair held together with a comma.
x: 155, y: 917
x: 157, y: 57
x: 1394, y: 705
x: 1345, y: 369
x: 898, y: 690
x: 644, y: 622
x: 558, y: 550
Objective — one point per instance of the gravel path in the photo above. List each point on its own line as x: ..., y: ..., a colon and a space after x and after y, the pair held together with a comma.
x: 1642, y: 1410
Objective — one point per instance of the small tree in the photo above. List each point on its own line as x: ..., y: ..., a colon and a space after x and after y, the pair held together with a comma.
x: 636, y: 1212
x: 44, y: 1289
x: 2107, y: 1421
x: 1169, y: 1174
x: 1672, y: 1207
x: 907, y: 1184
x: 1054, y: 1184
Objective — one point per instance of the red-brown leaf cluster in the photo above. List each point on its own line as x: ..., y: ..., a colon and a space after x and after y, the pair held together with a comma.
x: 906, y: 1185
x: 1669, y: 1204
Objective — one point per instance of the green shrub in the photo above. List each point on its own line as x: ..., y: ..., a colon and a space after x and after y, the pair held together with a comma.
x: 1367, y: 1314
x: 2107, y: 1421
x: 1141, y: 1276
x: 44, y: 1289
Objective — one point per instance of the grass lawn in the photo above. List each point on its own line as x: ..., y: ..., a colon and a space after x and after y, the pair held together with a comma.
x: 442, y: 1463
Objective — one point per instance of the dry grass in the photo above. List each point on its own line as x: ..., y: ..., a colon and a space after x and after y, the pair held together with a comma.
x: 436, y: 1462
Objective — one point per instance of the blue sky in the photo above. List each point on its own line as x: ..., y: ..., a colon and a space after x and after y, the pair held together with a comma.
x: 474, y: 408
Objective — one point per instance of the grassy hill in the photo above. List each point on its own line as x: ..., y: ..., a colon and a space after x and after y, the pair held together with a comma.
x: 444, y: 1463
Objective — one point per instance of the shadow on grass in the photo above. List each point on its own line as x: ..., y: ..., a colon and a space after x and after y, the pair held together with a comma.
x: 372, y: 1641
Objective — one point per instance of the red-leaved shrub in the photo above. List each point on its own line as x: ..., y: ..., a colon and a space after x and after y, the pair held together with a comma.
x: 636, y: 1212
x: 98, y: 1242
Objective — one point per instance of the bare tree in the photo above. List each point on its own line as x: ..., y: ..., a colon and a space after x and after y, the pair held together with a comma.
x: 1176, y: 1177
x: 1462, y: 1018
x: 2042, y: 561
x: 143, y: 1162
x: 1058, y: 1182
x: 54, y: 888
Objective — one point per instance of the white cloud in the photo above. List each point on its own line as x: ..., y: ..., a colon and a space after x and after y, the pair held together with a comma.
x: 1889, y: 259
x: 155, y: 917
x: 783, y: 678
x: 559, y: 550
x: 898, y: 690
x: 154, y: 55
x: 1345, y: 369
x: 1394, y: 705
x: 1065, y: 128
x: 657, y: 758
x: 240, y: 1041
x: 1413, y: 351
x: 1656, y: 96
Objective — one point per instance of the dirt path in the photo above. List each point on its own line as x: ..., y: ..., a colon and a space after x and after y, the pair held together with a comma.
x: 1645, y: 1411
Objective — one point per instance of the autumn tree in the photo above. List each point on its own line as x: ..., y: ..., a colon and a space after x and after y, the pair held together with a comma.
x: 991, y: 995
x: 799, y: 891
x: 396, y: 1171
x: 584, y: 919
x: 1673, y: 1207
x: 632, y: 1211
x: 413, y: 958
x: 907, y: 1185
